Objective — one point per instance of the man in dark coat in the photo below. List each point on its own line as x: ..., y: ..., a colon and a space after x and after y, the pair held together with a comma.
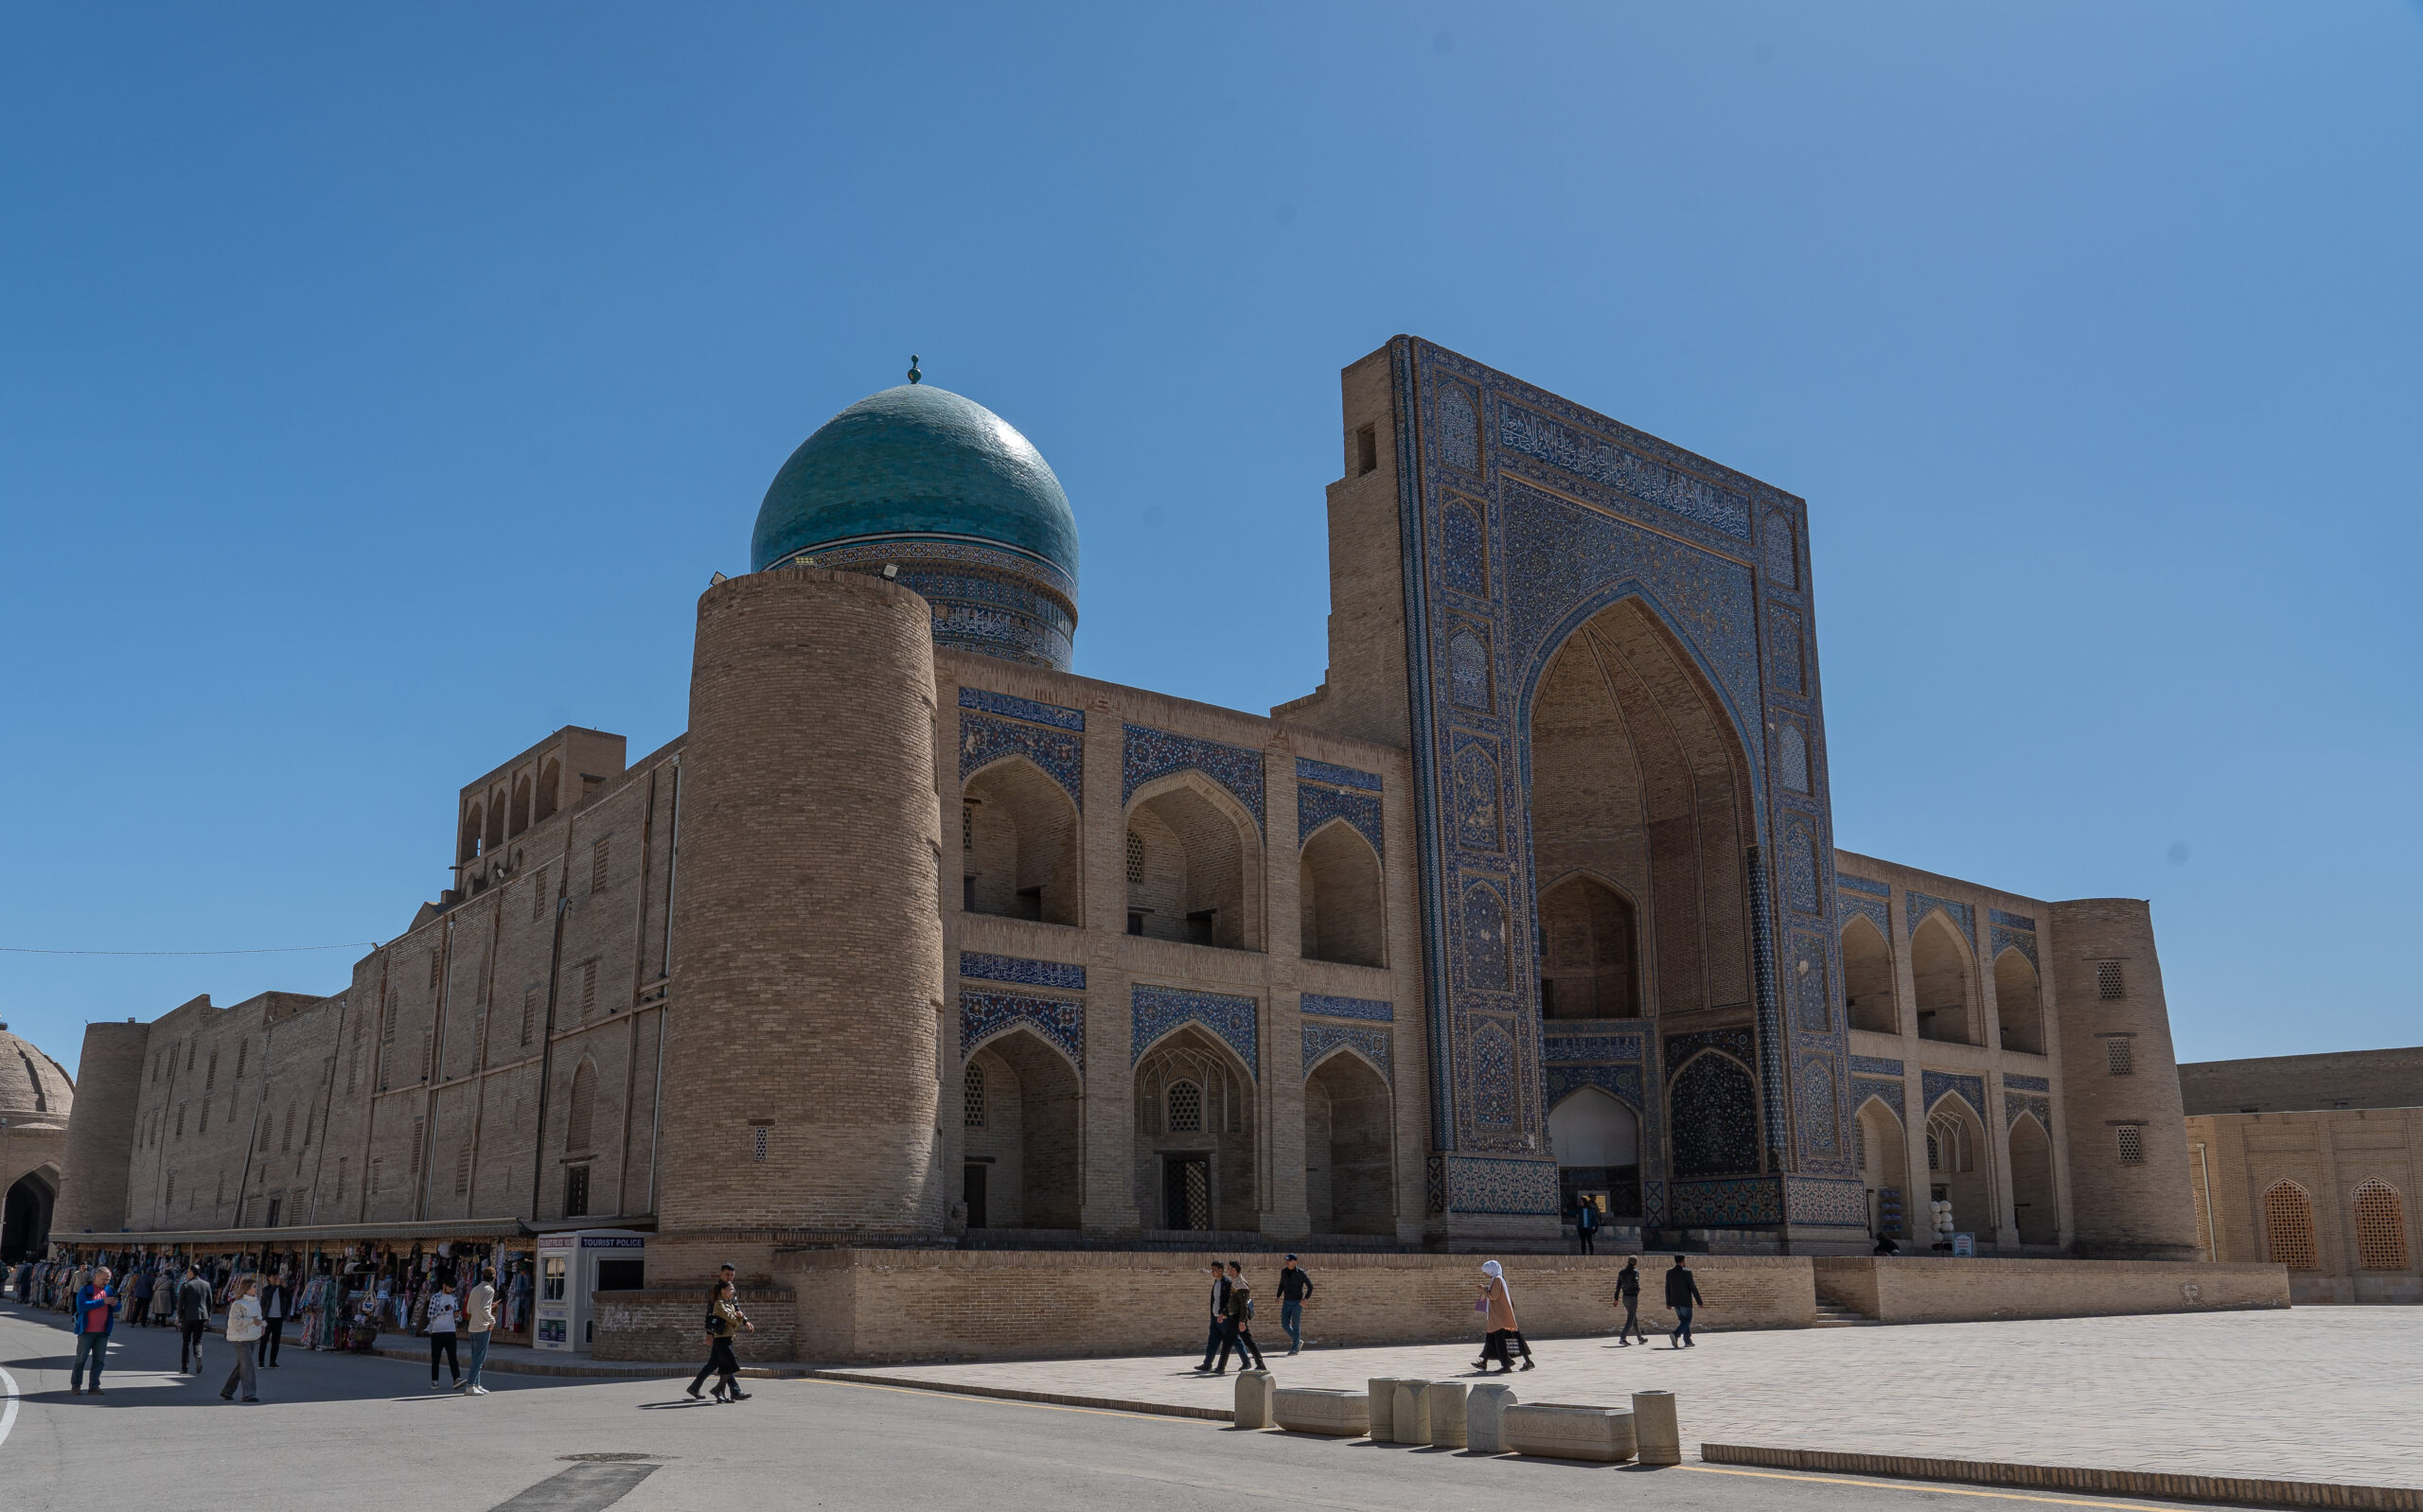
x: 1682, y: 1295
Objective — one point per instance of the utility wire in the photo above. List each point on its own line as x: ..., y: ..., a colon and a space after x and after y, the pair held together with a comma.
x: 270, y: 950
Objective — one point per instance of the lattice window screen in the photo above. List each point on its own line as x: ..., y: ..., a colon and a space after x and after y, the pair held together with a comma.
x: 971, y: 1097
x: 2287, y: 1224
x: 2109, y: 985
x: 2380, y: 1227
x: 2120, y: 1055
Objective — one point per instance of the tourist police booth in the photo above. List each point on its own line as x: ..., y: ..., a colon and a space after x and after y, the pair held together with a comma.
x: 574, y: 1265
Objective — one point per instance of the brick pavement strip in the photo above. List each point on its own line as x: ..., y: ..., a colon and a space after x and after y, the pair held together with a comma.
x: 2308, y: 1395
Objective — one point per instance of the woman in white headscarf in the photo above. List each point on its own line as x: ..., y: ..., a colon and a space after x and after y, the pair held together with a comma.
x: 1505, y: 1334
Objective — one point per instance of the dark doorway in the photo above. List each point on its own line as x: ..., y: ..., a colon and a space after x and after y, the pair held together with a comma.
x: 972, y: 1192
x: 24, y: 1220
x: 1186, y: 1185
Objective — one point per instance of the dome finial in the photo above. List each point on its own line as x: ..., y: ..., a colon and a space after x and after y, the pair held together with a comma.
x: 913, y: 373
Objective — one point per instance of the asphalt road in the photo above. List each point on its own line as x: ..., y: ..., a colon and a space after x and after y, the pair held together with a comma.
x: 367, y: 1434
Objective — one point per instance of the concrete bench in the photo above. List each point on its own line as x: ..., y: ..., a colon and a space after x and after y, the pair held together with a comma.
x: 1442, y: 1402
x: 1659, y: 1437
x: 1568, y: 1431
x: 1382, y: 1392
x: 1323, y: 1409
x: 1254, y: 1388
x: 1409, y: 1417
x: 1484, y: 1418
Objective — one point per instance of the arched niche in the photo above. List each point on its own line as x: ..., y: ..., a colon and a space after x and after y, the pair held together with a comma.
x: 1880, y: 1151
x: 520, y: 817
x: 1349, y: 1163
x: 1194, y: 1149
x: 2035, y: 1209
x: 1960, y: 1166
x: 25, y: 1216
x: 1589, y: 951
x: 2019, y: 1002
x: 1940, y: 973
x: 1868, y: 978
x: 1638, y: 778
x: 1195, y: 865
x: 1339, y: 901
x: 1019, y: 848
x: 1022, y: 1108
x: 1712, y: 1110
x: 474, y: 824
x: 1596, y: 1140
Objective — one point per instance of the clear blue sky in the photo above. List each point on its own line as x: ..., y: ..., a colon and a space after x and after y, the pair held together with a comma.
x: 377, y: 392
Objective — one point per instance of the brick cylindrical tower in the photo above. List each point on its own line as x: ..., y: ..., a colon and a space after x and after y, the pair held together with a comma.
x: 801, y: 1071
x: 100, y: 1129
x: 2130, y: 1193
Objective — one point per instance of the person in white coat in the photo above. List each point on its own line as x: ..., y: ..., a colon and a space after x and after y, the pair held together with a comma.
x: 244, y: 1328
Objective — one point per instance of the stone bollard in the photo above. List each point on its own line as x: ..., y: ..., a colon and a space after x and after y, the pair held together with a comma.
x: 1382, y: 1390
x: 1409, y: 1417
x: 1660, y: 1436
x: 1484, y: 1418
x: 1443, y: 1403
x: 1253, y: 1399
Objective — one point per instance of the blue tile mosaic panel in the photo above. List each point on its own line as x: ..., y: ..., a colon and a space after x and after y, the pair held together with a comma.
x: 1812, y: 997
x: 1496, y: 1102
x: 1309, y: 770
x: 2017, y: 1106
x: 1733, y: 1042
x: 1026, y: 709
x: 1466, y: 541
x: 1811, y: 1200
x: 2027, y: 1083
x: 986, y: 738
x: 1158, y: 1010
x: 1863, y: 1088
x: 1029, y: 973
x: 1373, y: 1044
x: 1784, y: 657
x: 1315, y: 806
x: 2021, y: 941
x: 1623, y: 1083
x: 1934, y: 1084
x: 1480, y: 1183
x: 1848, y: 883
x: 1591, y: 1046
x: 1814, y: 1103
x: 1484, y: 936
x: 1712, y: 1108
x: 983, y: 1016
x: 1874, y: 1065
x: 1468, y: 670
x: 2011, y: 921
x: 1148, y: 754
x: 1800, y: 866
x: 1783, y: 559
x: 1349, y: 1008
x: 1920, y: 905
x: 1741, y: 1202
x: 1791, y: 758
x: 1530, y: 434
x: 1458, y: 427
x: 1847, y: 904
x: 1479, y: 824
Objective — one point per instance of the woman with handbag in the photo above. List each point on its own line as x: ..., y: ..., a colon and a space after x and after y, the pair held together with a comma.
x: 724, y: 1320
x: 1498, y: 1303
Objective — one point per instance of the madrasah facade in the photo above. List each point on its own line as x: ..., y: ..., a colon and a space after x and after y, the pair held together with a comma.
x: 916, y: 938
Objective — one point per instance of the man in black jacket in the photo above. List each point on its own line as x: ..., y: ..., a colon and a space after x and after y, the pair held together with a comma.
x: 1682, y: 1295
x: 193, y: 1317
x: 1628, y: 1297
x: 1219, y: 1316
x: 1294, y: 1284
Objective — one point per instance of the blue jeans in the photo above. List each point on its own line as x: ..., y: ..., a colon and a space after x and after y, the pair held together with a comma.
x: 93, y: 1346
x: 479, y: 1355
x: 1291, y: 1317
x: 1682, y: 1326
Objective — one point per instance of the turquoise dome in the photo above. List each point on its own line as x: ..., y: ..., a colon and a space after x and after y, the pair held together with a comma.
x: 919, y: 462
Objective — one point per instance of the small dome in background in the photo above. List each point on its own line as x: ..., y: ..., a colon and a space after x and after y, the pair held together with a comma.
x: 951, y: 494
x: 31, y: 1082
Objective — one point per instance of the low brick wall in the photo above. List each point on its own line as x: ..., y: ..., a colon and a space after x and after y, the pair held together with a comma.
x: 668, y: 1326
x: 922, y: 1304
x: 1937, y: 1289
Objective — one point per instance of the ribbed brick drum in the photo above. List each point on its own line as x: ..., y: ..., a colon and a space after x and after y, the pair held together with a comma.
x: 808, y: 954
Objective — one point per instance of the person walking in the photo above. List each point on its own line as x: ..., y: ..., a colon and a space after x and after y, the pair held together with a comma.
x: 1682, y: 1295
x: 193, y: 1318
x: 1219, y: 1331
x: 277, y: 1300
x: 139, y: 1291
x: 1504, y: 1334
x: 1294, y: 1284
x: 1238, y: 1334
x: 443, y: 1310
x: 1628, y: 1297
x: 1585, y: 1227
x: 724, y: 1322
x: 244, y: 1330
x: 479, y: 1321
x: 96, y: 1313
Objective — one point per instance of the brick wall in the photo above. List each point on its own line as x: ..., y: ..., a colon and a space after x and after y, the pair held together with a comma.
x: 2285, y: 1083
x: 667, y: 1324
x: 1928, y: 1289
x: 2330, y: 1158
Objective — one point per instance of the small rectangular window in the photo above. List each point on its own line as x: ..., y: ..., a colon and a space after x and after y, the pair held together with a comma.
x: 967, y: 826
x: 432, y: 971
x: 463, y: 1170
x: 210, y: 1076
x: 2109, y: 984
x: 539, y: 896
x: 427, y: 1051
x: 203, y: 1127
x: 587, y: 989
x: 1134, y: 921
x: 967, y: 894
x: 243, y: 1057
x: 412, y: 1170
x: 761, y: 1140
x: 340, y: 1164
x: 597, y: 859
x: 2119, y: 1055
x: 1366, y: 450
x: 2132, y: 1144
x: 378, y: 1174
x: 575, y: 1191
x: 1135, y: 859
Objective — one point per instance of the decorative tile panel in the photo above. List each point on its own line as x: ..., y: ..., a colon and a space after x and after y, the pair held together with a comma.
x: 1458, y: 427
x: 1863, y: 1088
x: 1740, y: 1202
x: 1029, y: 973
x: 1148, y: 754
x: 984, y: 1016
x: 1810, y: 1200
x: 1483, y: 936
x: 1349, y: 1008
x: 2027, y: 1083
x: 1962, y: 914
x: 1479, y: 1184
x: 1785, y: 656
x: 1480, y: 822
x: 1733, y: 1042
x: 1867, y: 884
x: 1800, y: 866
x: 985, y: 738
x: 1495, y: 1101
x: 1712, y: 1109
x: 1792, y: 756
x: 1466, y: 538
x: 1373, y: 1044
x: 1309, y: 770
x: 1872, y: 909
x: 1814, y: 1103
x: 1556, y: 1047
x: 1934, y: 1084
x: 2020, y: 939
x: 1526, y: 430
x: 1316, y: 805
x: 1812, y: 997
x: 1468, y: 669
x: 2011, y: 921
x: 1874, y: 1065
x: 1160, y: 1010
x: 2017, y: 1105
x: 1026, y: 709
x: 1623, y: 1083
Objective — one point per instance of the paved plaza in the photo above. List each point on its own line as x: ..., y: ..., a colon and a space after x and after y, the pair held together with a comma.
x: 2314, y: 1394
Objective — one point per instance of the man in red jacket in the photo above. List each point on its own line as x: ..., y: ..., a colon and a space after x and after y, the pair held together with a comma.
x: 96, y: 1313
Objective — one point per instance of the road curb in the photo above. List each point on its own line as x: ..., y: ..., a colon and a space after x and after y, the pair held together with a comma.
x: 1048, y: 1399
x: 2244, y: 1490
